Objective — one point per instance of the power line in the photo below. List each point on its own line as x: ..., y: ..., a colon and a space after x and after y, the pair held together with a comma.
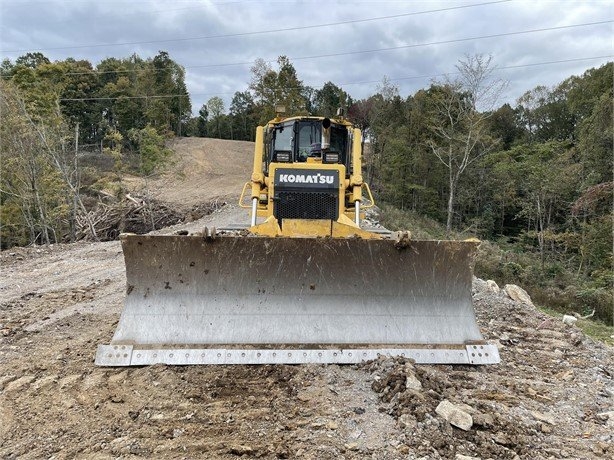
x: 261, y: 32
x: 456, y: 40
x: 413, y: 77
x: 416, y: 45
x: 518, y: 66
x: 154, y: 96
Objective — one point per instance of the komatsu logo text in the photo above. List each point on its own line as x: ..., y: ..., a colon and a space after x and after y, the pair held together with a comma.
x: 306, y: 179
x: 288, y: 178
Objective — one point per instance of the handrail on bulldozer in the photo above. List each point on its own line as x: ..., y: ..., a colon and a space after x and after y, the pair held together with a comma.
x: 241, y: 204
x: 371, y: 200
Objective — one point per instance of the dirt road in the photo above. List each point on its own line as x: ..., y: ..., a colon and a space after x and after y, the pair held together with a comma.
x: 551, y: 397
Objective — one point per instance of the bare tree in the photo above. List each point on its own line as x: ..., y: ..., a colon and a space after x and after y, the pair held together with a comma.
x: 462, y: 105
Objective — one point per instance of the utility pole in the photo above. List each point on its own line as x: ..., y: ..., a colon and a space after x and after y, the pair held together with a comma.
x: 73, y: 229
x: 179, y: 119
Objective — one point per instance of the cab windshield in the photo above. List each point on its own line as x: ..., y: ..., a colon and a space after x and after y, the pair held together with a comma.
x: 300, y: 140
x: 309, y: 140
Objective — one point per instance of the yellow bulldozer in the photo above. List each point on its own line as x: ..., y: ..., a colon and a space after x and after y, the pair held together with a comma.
x: 303, y: 282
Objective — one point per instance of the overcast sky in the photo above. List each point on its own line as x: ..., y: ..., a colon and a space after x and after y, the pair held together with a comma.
x: 353, y: 44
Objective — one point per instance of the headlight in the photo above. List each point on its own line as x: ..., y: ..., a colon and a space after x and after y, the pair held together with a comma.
x: 331, y: 157
x: 282, y: 157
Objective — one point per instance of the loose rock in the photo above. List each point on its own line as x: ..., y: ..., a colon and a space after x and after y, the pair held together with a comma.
x: 569, y: 320
x: 454, y: 415
x: 518, y: 294
x: 493, y: 287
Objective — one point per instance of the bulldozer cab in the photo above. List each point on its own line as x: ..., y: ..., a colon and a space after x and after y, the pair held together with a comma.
x: 313, y: 140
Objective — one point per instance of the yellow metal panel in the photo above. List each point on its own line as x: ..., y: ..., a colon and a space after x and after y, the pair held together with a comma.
x: 269, y: 227
x: 257, y: 176
x: 312, y: 228
x: 298, y: 228
x: 345, y: 227
x: 356, y: 178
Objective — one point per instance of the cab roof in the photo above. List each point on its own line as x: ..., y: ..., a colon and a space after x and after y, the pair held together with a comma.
x: 338, y: 121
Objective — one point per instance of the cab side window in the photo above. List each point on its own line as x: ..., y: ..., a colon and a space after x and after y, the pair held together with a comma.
x: 282, y: 142
x: 338, y: 142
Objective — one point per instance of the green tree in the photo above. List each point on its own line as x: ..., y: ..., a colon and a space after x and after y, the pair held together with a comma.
x: 272, y: 88
x: 32, y: 60
x: 385, y: 116
x: 586, y: 90
x: 546, y: 179
x: 170, y: 81
x: 595, y: 134
x: 428, y: 176
x: 545, y: 113
x: 329, y: 98
x: 151, y: 149
x: 594, y: 214
x: 37, y: 185
x: 215, y: 109
x: 79, y: 86
x: 136, y: 92
x: 243, y: 116
x: 503, y: 124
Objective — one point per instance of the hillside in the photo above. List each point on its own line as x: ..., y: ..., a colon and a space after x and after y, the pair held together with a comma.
x: 203, y: 170
x: 552, y: 396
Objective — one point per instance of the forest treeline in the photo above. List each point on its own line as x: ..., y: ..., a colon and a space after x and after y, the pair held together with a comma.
x: 535, y: 177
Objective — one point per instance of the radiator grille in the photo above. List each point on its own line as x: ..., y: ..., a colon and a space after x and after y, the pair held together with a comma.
x: 306, y: 205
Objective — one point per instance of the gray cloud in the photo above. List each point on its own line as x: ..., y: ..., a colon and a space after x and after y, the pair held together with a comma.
x: 42, y: 25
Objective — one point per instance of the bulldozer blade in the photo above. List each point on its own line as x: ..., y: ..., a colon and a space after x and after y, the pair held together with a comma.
x: 248, y: 300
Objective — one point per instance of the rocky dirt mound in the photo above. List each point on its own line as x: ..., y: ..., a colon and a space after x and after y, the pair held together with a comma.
x: 551, y: 397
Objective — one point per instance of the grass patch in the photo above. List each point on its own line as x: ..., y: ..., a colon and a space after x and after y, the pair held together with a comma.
x: 421, y: 227
x: 595, y: 329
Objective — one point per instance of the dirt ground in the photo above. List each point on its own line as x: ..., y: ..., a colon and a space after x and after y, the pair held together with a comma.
x: 205, y: 170
x: 552, y: 396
